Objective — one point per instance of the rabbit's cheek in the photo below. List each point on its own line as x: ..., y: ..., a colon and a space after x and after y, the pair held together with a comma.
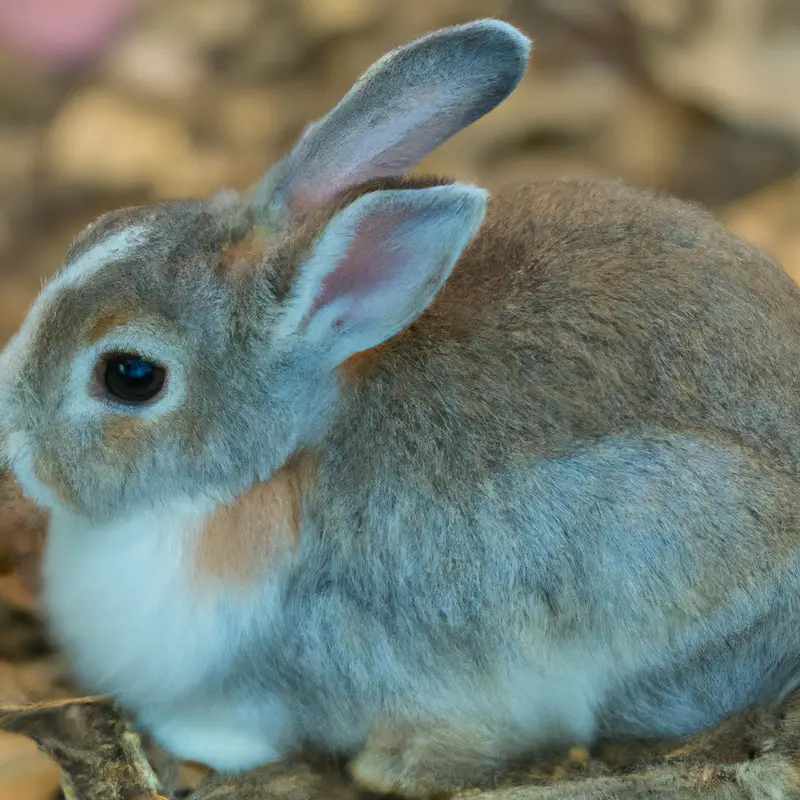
x: 125, y: 436
x: 125, y: 439
x: 121, y: 433
x: 50, y: 474
x: 247, y: 540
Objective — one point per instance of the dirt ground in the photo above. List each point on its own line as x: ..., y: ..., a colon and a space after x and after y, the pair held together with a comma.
x: 700, y: 98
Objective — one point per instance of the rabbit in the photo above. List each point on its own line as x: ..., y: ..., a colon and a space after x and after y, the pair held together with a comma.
x: 429, y: 480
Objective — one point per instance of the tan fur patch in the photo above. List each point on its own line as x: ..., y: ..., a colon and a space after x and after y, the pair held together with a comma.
x: 107, y: 323
x: 52, y: 477
x: 244, y: 539
x: 122, y: 433
x: 360, y: 364
x: 244, y: 255
x: 357, y: 365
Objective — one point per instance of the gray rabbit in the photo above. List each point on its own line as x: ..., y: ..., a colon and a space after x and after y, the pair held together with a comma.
x: 393, y: 470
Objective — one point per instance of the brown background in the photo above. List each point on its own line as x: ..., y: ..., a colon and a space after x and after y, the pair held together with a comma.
x: 698, y: 97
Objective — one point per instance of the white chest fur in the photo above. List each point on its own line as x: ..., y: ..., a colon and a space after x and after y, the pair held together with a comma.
x: 127, y: 606
x: 121, y: 601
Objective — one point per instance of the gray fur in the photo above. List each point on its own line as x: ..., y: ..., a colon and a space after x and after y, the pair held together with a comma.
x: 561, y: 505
x: 442, y: 82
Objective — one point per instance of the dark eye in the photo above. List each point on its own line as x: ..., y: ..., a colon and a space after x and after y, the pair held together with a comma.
x: 131, y: 378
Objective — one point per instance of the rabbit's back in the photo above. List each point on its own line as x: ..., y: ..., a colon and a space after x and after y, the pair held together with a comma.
x: 593, y: 423
x: 586, y: 309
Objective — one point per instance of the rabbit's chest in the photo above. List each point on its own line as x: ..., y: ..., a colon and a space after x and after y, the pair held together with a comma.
x: 126, y: 603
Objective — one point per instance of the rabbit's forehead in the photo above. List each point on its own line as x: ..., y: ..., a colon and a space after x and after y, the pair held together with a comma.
x: 131, y: 265
x: 241, y: 254
x: 121, y: 268
x: 37, y: 334
x: 97, y: 253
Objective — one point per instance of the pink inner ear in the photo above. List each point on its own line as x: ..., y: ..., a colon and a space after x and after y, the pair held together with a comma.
x: 393, y: 145
x: 367, y: 263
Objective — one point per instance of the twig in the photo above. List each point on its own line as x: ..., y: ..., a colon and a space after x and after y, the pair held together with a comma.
x: 754, y: 755
x: 100, y: 757
x: 666, y: 782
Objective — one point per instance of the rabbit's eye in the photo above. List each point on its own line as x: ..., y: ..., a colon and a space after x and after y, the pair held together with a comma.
x: 131, y: 378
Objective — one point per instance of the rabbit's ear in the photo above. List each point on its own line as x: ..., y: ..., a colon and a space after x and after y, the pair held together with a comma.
x: 377, y: 266
x: 406, y: 105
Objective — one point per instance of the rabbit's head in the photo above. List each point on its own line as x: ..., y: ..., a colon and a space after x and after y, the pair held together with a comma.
x: 190, y: 348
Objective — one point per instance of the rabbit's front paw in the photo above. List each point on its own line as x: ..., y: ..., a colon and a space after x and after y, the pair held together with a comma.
x: 223, y: 737
x: 423, y: 761
x: 393, y: 771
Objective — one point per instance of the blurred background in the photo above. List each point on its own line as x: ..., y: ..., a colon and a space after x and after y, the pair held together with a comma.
x: 106, y: 103
x: 112, y: 102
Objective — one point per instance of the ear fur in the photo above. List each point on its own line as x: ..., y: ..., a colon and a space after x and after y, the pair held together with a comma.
x: 377, y: 265
x: 406, y: 105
